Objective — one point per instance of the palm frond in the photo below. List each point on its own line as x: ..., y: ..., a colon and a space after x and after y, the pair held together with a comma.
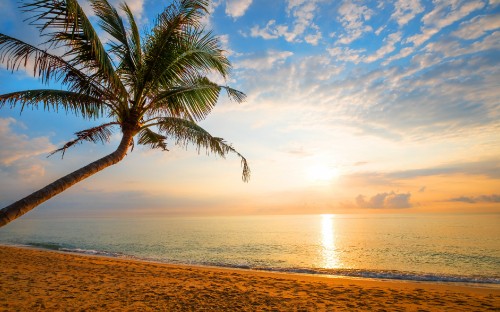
x: 77, y: 103
x: 166, y: 36
x: 185, y: 132
x: 66, y: 25
x: 152, y: 139
x: 16, y: 53
x: 135, y: 38
x: 193, y: 99
x: 97, y: 134
x: 196, y: 53
x: 112, y: 23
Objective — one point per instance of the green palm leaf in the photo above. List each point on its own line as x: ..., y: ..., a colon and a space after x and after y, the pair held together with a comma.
x: 97, y: 134
x: 193, y: 99
x: 152, y: 139
x: 185, y: 132
x: 80, y: 104
x: 70, y: 28
x: 16, y: 53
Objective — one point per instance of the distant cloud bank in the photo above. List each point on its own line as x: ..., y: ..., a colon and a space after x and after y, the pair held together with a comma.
x: 494, y: 198
x: 390, y: 200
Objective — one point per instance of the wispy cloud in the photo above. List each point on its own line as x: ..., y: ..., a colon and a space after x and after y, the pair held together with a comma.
x: 263, y: 62
x: 444, y: 14
x: 353, y: 17
x: 18, y: 146
x: 494, y: 198
x: 406, y: 10
x: 18, y: 155
x: 478, y: 26
x: 301, y: 27
x: 489, y: 168
x: 389, y: 47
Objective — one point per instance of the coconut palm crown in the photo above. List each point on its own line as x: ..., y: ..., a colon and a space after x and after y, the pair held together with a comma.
x: 152, y: 87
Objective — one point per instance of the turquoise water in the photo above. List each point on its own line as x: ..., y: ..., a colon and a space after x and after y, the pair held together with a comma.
x: 457, y: 248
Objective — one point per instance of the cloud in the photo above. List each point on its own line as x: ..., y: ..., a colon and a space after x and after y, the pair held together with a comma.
x: 455, y: 87
x: 477, y: 27
x: 136, y: 6
x: 237, y: 8
x: 263, y: 62
x: 270, y: 31
x: 313, y: 39
x: 489, y: 168
x: 454, y: 95
x: 18, y: 146
x: 301, y: 28
x: 18, y: 155
x: 390, y: 200
x: 406, y: 10
x: 353, y: 18
x: 452, y: 48
x: 344, y: 54
x: 404, y: 52
x: 494, y: 198
x: 389, y: 47
x: 443, y: 14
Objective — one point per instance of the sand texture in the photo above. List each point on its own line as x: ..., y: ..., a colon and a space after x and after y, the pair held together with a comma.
x: 35, y: 280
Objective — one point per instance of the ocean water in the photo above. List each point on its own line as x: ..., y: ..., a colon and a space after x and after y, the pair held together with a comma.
x: 441, y: 248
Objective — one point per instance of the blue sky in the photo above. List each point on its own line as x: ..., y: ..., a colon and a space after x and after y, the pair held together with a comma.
x: 353, y: 106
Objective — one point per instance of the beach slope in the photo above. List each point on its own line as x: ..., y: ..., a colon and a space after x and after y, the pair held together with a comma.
x: 33, y: 280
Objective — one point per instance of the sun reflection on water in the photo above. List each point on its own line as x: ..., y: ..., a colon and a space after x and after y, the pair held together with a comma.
x: 330, y: 256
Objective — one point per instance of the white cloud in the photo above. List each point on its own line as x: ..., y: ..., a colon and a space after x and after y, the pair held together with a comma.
x: 18, y: 153
x: 17, y: 146
x: 390, y: 200
x: 404, y: 52
x: 379, y: 30
x: 453, y: 48
x: 406, y: 10
x: 313, y: 39
x: 478, y: 26
x: 237, y: 8
x: 346, y: 54
x: 267, y: 61
x: 389, y: 47
x: 301, y: 29
x: 444, y: 14
x: 270, y: 31
x: 136, y: 6
x: 353, y: 18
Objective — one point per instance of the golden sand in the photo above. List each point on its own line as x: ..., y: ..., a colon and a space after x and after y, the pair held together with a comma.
x: 36, y: 280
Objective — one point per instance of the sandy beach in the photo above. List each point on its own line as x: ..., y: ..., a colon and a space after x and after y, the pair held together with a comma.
x: 36, y: 280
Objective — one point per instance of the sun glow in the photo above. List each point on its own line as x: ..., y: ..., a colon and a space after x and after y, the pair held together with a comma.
x: 322, y: 173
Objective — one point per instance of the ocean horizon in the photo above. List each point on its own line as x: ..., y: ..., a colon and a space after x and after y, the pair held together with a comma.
x: 414, y: 247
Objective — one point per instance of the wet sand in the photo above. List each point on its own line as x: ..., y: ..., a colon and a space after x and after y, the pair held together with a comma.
x: 36, y: 280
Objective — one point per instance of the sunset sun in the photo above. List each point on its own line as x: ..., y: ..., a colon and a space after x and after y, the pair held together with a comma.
x: 321, y: 173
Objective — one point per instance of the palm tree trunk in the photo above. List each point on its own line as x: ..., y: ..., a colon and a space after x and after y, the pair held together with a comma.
x: 24, y: 205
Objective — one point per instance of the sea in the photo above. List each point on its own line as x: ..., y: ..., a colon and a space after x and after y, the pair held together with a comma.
x: 411, y: 247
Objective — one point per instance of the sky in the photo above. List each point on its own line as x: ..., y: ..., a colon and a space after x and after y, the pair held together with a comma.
x: 352, y: 107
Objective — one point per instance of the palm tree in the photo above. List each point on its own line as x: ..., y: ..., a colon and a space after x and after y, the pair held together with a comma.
x: 153, y: 88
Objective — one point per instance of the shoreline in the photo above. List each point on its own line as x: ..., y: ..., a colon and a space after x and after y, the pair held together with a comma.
x: 33, y: 278
x: 292, y: 271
